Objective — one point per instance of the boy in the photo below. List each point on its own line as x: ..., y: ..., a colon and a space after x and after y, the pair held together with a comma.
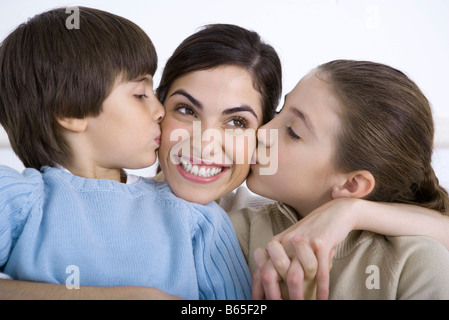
x: 78, y: 106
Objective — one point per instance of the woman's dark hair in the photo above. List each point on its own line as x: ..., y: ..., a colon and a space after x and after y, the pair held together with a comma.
x: 48, y: 71
x: 387, y: 129
x: 224, y: 44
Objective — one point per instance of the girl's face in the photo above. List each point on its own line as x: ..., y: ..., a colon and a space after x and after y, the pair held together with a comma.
x: 208, y: 133
x: 306, y: 128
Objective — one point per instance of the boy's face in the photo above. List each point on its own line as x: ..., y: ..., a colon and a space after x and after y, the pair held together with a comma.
x: 126, y: 134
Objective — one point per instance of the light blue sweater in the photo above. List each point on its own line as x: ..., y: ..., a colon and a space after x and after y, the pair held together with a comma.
x: 114, y: 234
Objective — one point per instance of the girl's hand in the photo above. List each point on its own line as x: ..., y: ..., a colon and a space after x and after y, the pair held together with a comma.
x: 318, y: 233
x: 278, y: 277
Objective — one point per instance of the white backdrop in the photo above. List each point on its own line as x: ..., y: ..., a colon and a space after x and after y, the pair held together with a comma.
x: 411, y: 35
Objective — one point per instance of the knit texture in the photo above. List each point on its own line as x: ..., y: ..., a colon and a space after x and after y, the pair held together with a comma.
x: 116, y: 235
x: 365, y: 265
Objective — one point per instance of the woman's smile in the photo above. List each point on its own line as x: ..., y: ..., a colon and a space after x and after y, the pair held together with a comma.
x: 200, y: 172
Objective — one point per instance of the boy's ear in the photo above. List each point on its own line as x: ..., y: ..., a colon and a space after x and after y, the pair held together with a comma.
x: 357, y: 184
x: 73, y: 124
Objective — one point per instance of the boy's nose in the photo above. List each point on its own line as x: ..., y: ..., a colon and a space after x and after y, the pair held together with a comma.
x: 159, y: 112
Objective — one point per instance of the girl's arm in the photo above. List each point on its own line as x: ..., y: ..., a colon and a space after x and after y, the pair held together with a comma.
x: 328, y: 226
x: 332, y: 222
x: 394, y: 219
x: 26, y: 290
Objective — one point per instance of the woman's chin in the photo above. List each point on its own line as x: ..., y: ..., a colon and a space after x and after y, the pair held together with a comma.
x: 204, y: 199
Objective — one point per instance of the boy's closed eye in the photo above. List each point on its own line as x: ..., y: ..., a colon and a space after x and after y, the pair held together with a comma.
x: 141, y: 96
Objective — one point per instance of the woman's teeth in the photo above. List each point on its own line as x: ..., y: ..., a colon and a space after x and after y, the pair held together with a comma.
x: 199, y: 171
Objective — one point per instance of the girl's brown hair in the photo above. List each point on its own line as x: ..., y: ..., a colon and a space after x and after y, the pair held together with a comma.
x: 225, y: 44
x: 48, y: 70
x: 387, y: 129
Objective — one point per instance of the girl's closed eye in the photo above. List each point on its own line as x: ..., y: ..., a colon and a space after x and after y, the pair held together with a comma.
x: 292, y: 133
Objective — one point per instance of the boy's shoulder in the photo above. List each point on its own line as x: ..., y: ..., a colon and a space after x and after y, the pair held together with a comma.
x: 19, y: 191
x: 12, y: 176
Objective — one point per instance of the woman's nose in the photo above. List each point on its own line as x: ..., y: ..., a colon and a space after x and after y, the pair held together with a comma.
x: 207, y: 141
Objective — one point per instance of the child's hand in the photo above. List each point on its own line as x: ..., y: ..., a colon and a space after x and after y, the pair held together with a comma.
x: 320, y: 231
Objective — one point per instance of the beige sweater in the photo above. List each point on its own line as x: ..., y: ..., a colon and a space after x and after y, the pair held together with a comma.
x: 365, y: 265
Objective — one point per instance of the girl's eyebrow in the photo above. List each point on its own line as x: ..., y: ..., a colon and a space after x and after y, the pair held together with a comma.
x: 301, y: 116
x: 304, y: 118
x: 189, y: 97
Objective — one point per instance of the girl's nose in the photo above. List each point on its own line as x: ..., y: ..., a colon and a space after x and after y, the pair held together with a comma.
x: 264, y: 135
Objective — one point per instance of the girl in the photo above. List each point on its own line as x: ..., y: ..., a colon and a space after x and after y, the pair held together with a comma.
x: 374, y: 143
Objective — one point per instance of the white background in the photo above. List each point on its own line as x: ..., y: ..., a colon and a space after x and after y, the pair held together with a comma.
x: 411, y: 35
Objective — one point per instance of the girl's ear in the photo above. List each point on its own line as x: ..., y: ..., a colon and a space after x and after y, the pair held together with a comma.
x: 73, y: 124
x: 357, y: 184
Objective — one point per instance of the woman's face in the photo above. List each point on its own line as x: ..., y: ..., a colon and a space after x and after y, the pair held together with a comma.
x: 306, y: 129
x: 208, y: 133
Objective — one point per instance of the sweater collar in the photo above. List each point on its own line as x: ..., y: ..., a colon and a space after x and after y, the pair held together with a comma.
x: 130, y: 178
x: 288, y: 212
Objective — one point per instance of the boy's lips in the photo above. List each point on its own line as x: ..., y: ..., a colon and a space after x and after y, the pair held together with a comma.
x: 158, y: 139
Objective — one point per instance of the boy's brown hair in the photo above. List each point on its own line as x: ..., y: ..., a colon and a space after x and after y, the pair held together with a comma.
x: 48, y: 71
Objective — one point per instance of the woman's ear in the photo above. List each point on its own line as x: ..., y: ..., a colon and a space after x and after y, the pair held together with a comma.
x: 73, y: 124
x: 357, y: 184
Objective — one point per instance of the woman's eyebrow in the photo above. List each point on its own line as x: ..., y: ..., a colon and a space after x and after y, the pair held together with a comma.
x: 240, y: 109
x: 189, y: 97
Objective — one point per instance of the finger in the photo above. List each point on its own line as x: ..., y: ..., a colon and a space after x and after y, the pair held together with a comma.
x: 322, y: 276
x: 307, y: 258
x: 261, y: 257
x: 295, y: 279
x: 267, y: 275
x: 279, y: 258
x: 270, y: 281
x: 258, y: 292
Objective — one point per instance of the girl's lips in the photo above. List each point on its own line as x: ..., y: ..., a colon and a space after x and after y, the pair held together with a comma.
x: 158, y: 140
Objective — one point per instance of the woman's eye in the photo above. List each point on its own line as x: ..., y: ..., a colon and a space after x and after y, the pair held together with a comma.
x: 185, y: 110
x: 239, y: 123
x: 292, y: 133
